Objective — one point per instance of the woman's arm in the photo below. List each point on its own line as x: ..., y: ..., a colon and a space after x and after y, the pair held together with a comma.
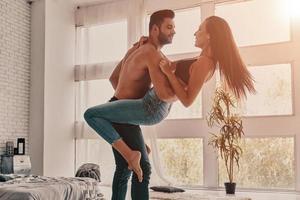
x: 199, y: 72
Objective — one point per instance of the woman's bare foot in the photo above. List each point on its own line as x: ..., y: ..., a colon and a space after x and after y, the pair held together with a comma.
x: 134, y: 164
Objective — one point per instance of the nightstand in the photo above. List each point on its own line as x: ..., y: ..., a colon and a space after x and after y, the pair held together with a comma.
x: 17, y: 164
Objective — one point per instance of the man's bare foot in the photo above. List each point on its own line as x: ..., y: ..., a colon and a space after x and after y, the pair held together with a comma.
x: 134, y: 164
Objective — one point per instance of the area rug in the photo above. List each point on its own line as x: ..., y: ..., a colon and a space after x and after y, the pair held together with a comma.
x: 191, y: 196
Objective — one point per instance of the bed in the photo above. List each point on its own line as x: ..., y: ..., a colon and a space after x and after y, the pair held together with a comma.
x: 50, y: 188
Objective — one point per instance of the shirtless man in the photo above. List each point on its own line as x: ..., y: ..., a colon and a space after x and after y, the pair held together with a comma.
x: 133, y: 76
x: 131, y: 79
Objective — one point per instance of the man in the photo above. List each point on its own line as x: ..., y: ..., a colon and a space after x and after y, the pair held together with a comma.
x: 131, y: 79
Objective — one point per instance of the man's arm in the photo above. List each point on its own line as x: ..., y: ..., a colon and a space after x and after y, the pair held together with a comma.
x: 160, y: 82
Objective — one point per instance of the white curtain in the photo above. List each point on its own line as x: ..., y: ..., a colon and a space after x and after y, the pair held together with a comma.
x: 86, y: 143
x: 157, y: 177
x: 105, y: 13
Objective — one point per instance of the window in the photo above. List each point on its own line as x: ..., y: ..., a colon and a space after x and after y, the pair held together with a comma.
x: 91, y: 93
x: 274, y: 87
x: 187, y: 21
x: 106, y: 43
x: 255, y: 22
x: 265, y: 163
x: 98, y: 92
x: 178, y: 111
x: 182, y: 160
x: 270, y: 159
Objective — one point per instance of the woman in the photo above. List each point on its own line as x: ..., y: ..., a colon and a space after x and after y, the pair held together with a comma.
x: 215, y: 39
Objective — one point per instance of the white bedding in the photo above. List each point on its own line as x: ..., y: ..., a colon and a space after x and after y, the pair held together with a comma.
x: 44, y: 188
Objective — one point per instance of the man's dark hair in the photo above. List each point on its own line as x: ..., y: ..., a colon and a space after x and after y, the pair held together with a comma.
x: 158, y: 17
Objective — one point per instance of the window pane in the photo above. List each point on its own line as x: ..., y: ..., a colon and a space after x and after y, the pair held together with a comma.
x: 265, y: 163
x: 98, y: 92
x: 91, y: 93
x: 274, y: 87
x: 107, y: 42
x: 252, y: 28
x: 178, y: 111
x: 186, y: 22
x: 182, y: 160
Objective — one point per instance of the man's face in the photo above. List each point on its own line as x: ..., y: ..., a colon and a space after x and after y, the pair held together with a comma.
x: 166, y: 31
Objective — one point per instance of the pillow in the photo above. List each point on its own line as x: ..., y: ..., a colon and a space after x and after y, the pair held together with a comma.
x: 167, y: 189
x: 90, y: 170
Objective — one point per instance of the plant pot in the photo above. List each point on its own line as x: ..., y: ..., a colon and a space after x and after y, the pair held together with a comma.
x: 230, y: 188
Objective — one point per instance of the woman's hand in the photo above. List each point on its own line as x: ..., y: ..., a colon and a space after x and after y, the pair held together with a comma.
x: 165, y: 66
x: 142, y: 41
x: 173, y: 66
x: 136, y: 45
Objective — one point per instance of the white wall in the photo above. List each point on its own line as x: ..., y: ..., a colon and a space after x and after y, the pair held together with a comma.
x: 14, y: 71
x: 52, y: 105
x: 59, y: 152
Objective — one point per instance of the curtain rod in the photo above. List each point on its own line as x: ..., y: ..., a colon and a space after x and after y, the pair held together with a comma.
x: 95, y: 3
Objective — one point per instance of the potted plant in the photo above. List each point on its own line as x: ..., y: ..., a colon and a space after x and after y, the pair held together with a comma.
x: 227, y: 141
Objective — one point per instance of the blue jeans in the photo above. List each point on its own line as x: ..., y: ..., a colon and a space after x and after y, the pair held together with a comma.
x: 132, y: 136
x: 148, y: 110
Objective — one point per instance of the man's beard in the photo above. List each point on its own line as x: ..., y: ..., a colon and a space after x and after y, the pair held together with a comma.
x: 163, y: 39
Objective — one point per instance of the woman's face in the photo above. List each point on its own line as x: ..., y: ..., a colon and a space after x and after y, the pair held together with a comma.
x: 201, y: 36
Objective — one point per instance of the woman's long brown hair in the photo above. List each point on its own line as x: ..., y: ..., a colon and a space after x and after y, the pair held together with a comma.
x: 227, y: 56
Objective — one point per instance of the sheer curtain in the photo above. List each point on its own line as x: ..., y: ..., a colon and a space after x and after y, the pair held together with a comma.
x: 92, y: 73
x: 86, y: 70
